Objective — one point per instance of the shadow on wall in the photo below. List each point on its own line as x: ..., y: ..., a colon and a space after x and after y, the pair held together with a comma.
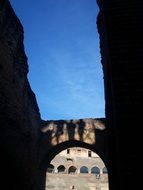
x: 62, y: 134
x: 65, y: 130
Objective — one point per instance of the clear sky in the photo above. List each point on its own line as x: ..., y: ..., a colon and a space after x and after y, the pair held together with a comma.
x: 62, y: 46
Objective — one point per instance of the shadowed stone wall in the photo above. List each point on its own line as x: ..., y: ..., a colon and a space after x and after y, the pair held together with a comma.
x: 120, y: 25
x: 19, y: 113
x: 88, y: 131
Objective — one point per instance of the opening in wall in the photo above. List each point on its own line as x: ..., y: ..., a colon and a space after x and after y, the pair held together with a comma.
x: 66, y: 56
x: 80, y: 171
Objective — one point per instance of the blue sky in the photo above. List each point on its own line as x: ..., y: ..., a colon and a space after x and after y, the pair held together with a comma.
x: 62, y: 46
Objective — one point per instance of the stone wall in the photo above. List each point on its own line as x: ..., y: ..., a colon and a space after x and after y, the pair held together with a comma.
x: 77, y: 160
x: 19, y: 113
x: 120, y: 25
x: 59, y: 135
x: 76, y: 182
x: 85, y: 131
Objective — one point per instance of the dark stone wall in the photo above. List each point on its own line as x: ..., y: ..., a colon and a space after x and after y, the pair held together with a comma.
x: 120, y: 25
x: 19, y: 113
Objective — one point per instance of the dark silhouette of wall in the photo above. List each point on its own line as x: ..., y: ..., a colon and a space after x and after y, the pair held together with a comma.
x: 120, y: 25
x: 19, y: 113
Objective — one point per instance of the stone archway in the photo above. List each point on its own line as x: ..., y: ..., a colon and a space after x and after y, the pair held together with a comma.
x: 72, y: 169
x: 84, y: 169
x: 95, y: 170
x: 85, y: 132
x: 61, y: 169
x: 78, y: 166
x: 63, y: 134
x: 54, y: 150
x: 50, y: 168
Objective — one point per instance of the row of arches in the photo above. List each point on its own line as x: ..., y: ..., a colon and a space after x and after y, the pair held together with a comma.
x: 73, y: 169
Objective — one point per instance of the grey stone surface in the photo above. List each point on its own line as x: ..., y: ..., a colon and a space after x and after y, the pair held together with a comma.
x: 79, y: 181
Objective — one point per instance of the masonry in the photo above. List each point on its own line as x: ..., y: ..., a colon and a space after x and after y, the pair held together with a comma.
x: 120, y: 29
x: 77, y: 168
x: 120, y: 25
x: 59, y: 135
x: 19, y: 113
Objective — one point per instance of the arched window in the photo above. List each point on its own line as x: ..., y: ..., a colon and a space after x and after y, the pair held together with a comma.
x: 104, y: 170
x: 83, y: 169
x: 95, y: 170
x: 61, y: 169
x: 50, y: 168
x: 72, y: 169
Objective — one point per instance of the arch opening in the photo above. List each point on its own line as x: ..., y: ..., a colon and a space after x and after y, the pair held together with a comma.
x: 50, y: 168
x: 95, y: 170
x: 76, y: 161
x: 84, y: 170
x: 61, y: 169
x: 104, y: 170
x: 72, y: 170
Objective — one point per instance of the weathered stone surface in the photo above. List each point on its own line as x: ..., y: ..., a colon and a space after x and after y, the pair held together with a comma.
x: 76, y: 181
x: 58, y: 135
x: 19, y: 113
x: 56, y: 132
x: 65, y: 130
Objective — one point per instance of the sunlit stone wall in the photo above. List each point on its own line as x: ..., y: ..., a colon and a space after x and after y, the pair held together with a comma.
x: 77, y: 167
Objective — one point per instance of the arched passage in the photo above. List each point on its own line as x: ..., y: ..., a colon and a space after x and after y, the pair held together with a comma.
x: 95, y: 170
x: 104, y: 170
x: 66, y: 145
x: 50, y: 168
x: 61, y: 169
x: 84, y: 169
x: 52, y: 152
x: 81, y: 165
x: 72, y: 170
